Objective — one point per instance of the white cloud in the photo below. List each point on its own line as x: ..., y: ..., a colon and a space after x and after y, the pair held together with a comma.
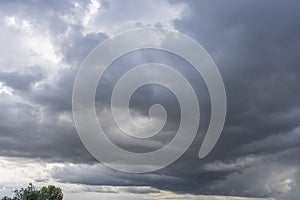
x: 173, y: 196
x: 28, y: 44
x: 114, y: 16
x: 5, y: 90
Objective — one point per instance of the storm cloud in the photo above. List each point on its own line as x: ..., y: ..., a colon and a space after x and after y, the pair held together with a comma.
x: 255, y: 45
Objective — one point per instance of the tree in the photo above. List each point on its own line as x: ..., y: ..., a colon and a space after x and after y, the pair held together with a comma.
x: 31, y: 193
x: 50, y: 193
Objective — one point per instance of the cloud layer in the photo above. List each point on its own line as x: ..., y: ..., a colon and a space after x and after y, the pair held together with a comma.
x: 255, y: 45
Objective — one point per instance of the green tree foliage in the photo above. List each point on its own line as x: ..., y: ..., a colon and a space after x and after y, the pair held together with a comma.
x: 31, y: 193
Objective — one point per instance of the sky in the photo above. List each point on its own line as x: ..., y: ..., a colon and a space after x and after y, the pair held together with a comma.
x: 256, y: 46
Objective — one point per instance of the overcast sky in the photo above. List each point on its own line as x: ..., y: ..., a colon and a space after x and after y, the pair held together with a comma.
x: 255, y: 44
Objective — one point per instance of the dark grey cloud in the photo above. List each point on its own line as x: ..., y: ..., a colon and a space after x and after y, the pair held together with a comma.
x: 256, y: 46
x: 97, y: 174
x: 20, y: 81
x: 142, y: 190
